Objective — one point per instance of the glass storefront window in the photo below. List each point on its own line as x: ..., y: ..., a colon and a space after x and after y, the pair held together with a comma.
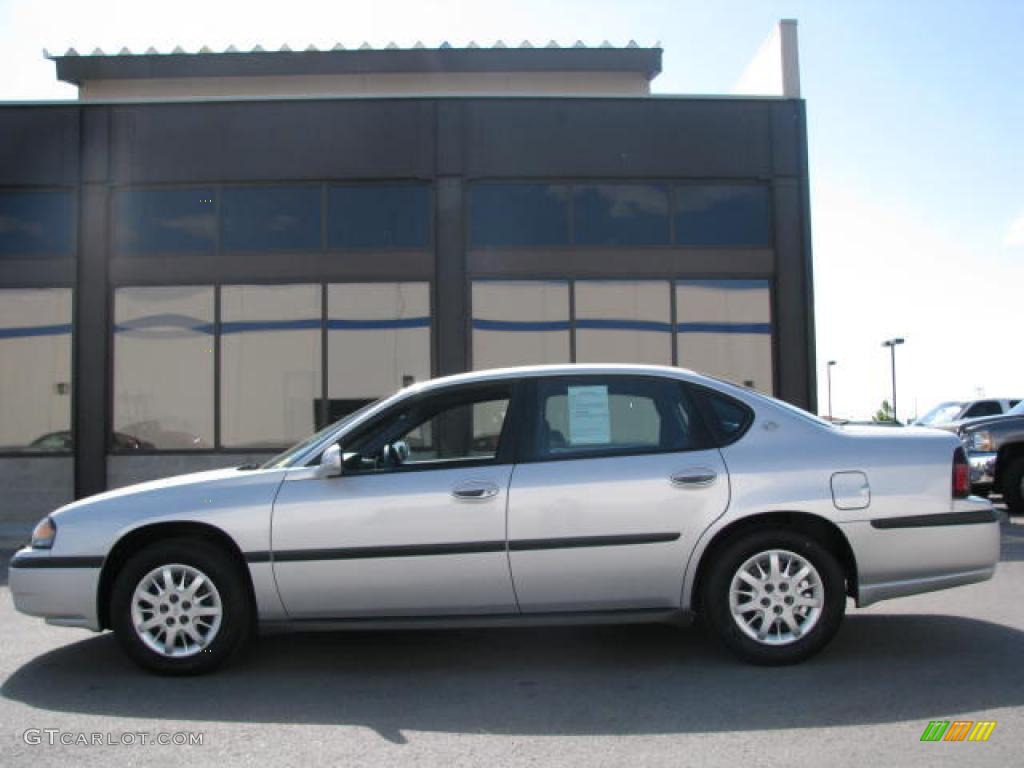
x: 724, y: 329
x: 270, y: 364
x: 36, y: 223
x: 35, y: 370
x: 518, y: 214
x: 271, y: 218
x: 520, y: 322
x: 163, y: 368
x: 720, y: 214
x: 165, y: 221
x: 620, y: 214
x: 378, y: 216
x: 378, y: 341
x: 623, y: 321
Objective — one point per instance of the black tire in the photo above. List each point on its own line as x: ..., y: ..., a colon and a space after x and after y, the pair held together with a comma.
x: 216, y: 565
x: 716, y: 589
x: 1013, y: 492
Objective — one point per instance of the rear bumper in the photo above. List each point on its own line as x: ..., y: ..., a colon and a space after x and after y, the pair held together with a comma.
x: 60, y: 590
x: 923, y: 553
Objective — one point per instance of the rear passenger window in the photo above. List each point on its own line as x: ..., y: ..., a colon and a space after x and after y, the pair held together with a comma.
x: 593, y: 416
x: 984, y: 408
x: 729, y: 418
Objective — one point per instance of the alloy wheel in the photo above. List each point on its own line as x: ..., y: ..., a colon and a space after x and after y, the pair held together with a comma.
x: 176, y: 610
x: 776, y: 597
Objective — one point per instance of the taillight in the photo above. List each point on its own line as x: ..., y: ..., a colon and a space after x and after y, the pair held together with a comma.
x: 961, y: 475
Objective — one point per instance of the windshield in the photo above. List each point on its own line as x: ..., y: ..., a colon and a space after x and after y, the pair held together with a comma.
x: 285, y: 459
x: 1018, y: 409
x: 941, y: 413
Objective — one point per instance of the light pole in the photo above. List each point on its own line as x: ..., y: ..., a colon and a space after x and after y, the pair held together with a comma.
x: 828, y: 372
x: 892, y: 344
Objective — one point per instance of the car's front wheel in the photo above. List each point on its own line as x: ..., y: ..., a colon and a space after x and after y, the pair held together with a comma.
x: 180, y: 607
x: 774, y: 596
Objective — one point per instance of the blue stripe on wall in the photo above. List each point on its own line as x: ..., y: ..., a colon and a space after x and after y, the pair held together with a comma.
x: 527, y: 326
x: 520, y: 325
x: 35, y: 330
x: 724, y: 328
x: 169, y: 322
x: 739, y: 285
x: 335, y: 324
x: 624, y: 325
x: 249, y: 326
x: 163, y: 322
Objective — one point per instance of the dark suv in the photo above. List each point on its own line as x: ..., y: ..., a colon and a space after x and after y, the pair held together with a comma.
x: 952, y: 412
x: 995, y: 449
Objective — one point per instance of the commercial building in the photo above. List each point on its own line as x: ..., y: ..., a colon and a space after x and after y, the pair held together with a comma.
x: 209, y: 255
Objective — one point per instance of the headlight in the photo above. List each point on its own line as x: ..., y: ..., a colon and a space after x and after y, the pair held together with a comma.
x: 980, y: 441
x: 44, y: 534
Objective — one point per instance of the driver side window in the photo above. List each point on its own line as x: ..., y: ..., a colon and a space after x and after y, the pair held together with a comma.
x: 439, y: 430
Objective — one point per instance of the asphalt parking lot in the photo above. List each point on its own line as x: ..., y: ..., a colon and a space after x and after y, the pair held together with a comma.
x: 645, y: 695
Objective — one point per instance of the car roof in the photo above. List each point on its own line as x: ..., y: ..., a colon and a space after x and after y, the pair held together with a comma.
x: 565, y: 369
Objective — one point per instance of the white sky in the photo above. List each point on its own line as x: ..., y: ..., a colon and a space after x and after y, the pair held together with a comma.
x: 915, y: 112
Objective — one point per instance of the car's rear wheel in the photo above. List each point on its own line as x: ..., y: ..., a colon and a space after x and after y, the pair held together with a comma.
x: 1013, y: 487
x: 774, y: 596
x: 181, y: 607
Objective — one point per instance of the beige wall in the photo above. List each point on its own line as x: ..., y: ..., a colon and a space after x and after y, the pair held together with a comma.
x: 420, y: 84
x: 738, y: 357
x: 643, y: 300
x: 517, y: 301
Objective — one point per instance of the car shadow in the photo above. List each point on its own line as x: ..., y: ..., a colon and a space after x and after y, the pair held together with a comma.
x: 584, y: 680
x: 1011, y: 540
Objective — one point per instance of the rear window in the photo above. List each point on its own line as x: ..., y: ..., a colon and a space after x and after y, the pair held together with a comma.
x: 729, y: 419
x: 983, y: 408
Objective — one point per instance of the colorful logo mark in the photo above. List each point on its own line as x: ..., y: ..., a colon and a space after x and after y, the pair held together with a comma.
x: 958, y: 730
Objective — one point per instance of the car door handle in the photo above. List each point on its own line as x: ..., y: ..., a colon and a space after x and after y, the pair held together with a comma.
x: 694, y: 478
x: 475, y: 490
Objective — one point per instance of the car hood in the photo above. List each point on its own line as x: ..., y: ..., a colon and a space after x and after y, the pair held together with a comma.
x: 197, y: 480
x: 984, y: 421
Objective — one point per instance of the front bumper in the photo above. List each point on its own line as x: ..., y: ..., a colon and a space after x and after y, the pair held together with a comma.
x: 983, y: 469
x: 923, y: 553
x: 60, y: 590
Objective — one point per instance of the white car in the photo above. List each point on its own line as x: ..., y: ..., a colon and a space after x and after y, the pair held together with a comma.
x: 591, y: 493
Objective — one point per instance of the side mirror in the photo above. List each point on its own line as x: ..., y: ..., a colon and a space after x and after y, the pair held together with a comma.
x: 330, y: 463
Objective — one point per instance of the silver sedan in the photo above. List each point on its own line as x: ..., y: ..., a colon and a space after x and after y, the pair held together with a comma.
x: 541, y: 494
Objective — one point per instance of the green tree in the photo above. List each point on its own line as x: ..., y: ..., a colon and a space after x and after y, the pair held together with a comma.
x: 884, y: 413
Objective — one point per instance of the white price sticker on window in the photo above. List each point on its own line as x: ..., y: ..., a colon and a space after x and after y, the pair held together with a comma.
x: 589, y: 416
